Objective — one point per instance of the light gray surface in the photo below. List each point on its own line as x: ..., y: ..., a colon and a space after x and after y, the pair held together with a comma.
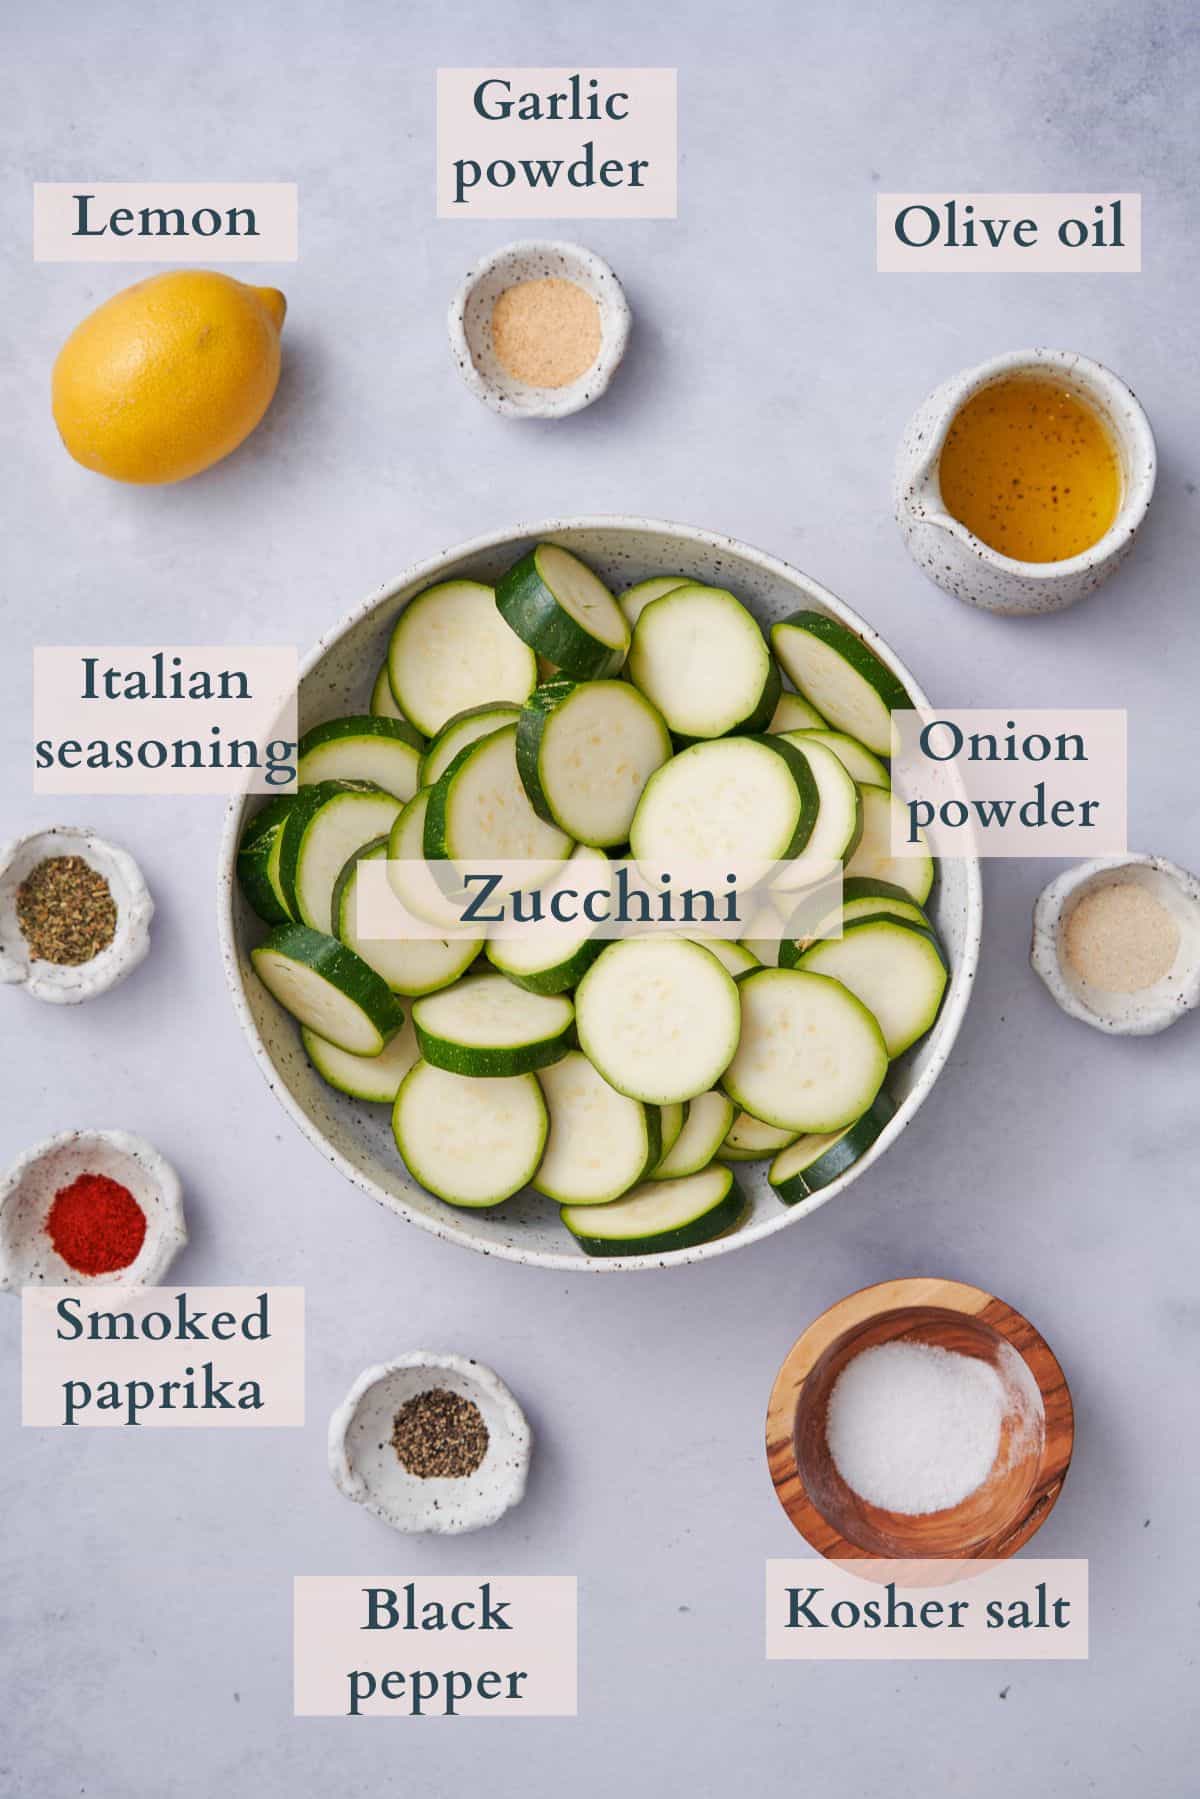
x: 146, y: 1603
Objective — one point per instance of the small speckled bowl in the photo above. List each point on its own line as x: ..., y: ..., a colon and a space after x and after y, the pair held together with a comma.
x: 367, y: 1469
x: 1150, y: 1009
x: 27, y: 1192
x: 57, y: 983
x: 469, y: 324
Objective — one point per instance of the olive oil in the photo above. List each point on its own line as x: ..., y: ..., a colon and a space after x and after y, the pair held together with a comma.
x: 1031, y: 470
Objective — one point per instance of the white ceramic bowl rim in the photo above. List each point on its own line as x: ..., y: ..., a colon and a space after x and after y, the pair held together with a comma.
x: 1135, y: 426
x: 447, y: 1223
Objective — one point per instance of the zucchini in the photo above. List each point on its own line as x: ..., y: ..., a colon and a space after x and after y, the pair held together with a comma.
x: 258, y: 860
x: 479, y: 811
x: 861, y: 899
x: 450, y: 650
x: 846, y: 681
x: 554, y: 957
x: 673, y: 1117
x: 411, y: 966
x: 383, y: 700
x: 857, y: 760
x: 837, y: 824
x: 374, y: 1078
x: 741, y: 800
x: 750, y: 1139
x: 811, y: 1163
x: 895, y: 969
x: 485, y: 1025
x: 700, y: 657
x: 660, y: 1216
x: 464, y: 728
x: 793, y: 713
x: 634, y: 601
x: 873, y: 859
x: 472, y: 1143
x: 327, y: 987
x: 384, y: 751
x: 658, y: 1017
x: 730, y: 954
x: 326, y: 825
x: 585, y: 752
x: 409, y: 875
x: 600, y: 1143
x: 810, y: 1057
x: 709, y: 1117
x: 555, y: 603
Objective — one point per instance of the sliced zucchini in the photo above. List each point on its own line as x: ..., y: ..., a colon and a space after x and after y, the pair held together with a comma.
x: 383, y: 700
x: 673, y: 1117
x: 634, y: 601
x: 600, y: 1143
x: 793, y: 713
x: 844, y: 679
x: 451, y: 650
x: 408, y: 872
x: 896, y: 970
x: 855, y: 757
x: 324, y: 828
x: 701, y: 658
x: 555, y: 603
x: 709, y: 1117
x: 258, y: 860
x: 479, y: 811
x: 384, y: 751
x: 838, y: 818
x: 660, y: 1216
x: 328, y: 988
x: 658, y: 1017
x: 553, y: 957
x: 730, y: 954
x: 873, y: 859
x: 485, y: 1025
x: 811, y: 1056
x: 466, y: 727
x: 750, y: 1139
x: 411, y: 966
x: 585, y: 751
x: 811, y: 1163
x: 375, y: 1078
x: 861, y: 899
x: 742, y: 800
x: 471, y: 1142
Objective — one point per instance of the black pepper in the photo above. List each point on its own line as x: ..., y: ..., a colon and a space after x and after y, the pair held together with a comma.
x: 439, y: 1435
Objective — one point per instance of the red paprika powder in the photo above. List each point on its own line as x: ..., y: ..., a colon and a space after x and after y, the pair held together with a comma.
x: 96, y: 1225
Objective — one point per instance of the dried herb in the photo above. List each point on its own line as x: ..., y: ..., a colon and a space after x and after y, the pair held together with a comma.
x: 65, y: 910
x: 439, y: 1435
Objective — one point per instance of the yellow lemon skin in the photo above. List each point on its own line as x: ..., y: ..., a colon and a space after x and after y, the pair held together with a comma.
x: 168, y: 376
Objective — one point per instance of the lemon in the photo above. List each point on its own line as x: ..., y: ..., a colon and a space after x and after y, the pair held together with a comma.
x: 168, y: 376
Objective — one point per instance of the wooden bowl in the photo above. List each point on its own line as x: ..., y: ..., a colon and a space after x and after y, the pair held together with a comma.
x: 1035, y: 1441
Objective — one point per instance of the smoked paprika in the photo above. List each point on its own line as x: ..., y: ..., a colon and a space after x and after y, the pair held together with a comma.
x: 96, y: 1225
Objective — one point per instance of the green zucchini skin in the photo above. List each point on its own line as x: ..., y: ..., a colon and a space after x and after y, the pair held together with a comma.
x: 492, y: 1063
x: 713, y: 1222
x: 434, y: 844
x: 859, y: 655
x: 529, y: 608
x: 340, y: 968
x: 833, y: 1161
x: 362, y: 724
x: 531, y: 728
x: 501, y: 713
x: 307, y: 802
x: 560, y: 977
x: 805, y: 780
x: 258, y: 854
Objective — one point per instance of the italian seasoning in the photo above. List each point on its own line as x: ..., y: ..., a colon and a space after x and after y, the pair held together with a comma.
x: 439, y: 1435
x: 66, y: 911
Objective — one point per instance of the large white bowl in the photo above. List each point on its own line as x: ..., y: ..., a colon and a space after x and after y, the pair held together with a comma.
x: 337, y: 677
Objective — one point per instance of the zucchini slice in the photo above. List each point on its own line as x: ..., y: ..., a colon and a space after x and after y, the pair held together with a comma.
x: 479, y: 811
x: 895, y: 969
x: 411, y: 966
x: 658, y: 1017
x: 258, y: 860
x: 600, y: 1143
x: 741, y: 800
x: 660, y: 1216
x: 709, y: 1117
x: 487, y: 1026
x: 327, y: 987
x: 451, y: 650
x: 408, y: 872
x: 374, y: 1078
x: 673, y: 1117
x: 811, y: 1163
x: 873, y: 859
x: 634, y: 601
x: 844, y: 679
x: 324, y: 828
x: 861, y: 899
x: 555, y: 603
x: 585, y: 752
x: 472, y: 1143
x: 730, y: 954
x: 383, y: 700
x: 855, y: 757
x: 701, y: 658
x: 837, y: 824
x: 793, y: 713
x: 555, y: 957
x: 811, y: 1056
x: 384, y: 751
x: 466, y: 727
x: 749, y: 1139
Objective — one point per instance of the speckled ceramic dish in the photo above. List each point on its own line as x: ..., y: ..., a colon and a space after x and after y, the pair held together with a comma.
x: 953, y: 556
x: 337, y: 677
x: 27, y: 1255
x: 469, y: 325
x: 1149, y: 1009
x: 367, y: 1469
x: 59, y: 984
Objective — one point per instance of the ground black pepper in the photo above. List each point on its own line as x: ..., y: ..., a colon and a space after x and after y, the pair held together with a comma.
x: 439, y: 1435
x: 65, y: 910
